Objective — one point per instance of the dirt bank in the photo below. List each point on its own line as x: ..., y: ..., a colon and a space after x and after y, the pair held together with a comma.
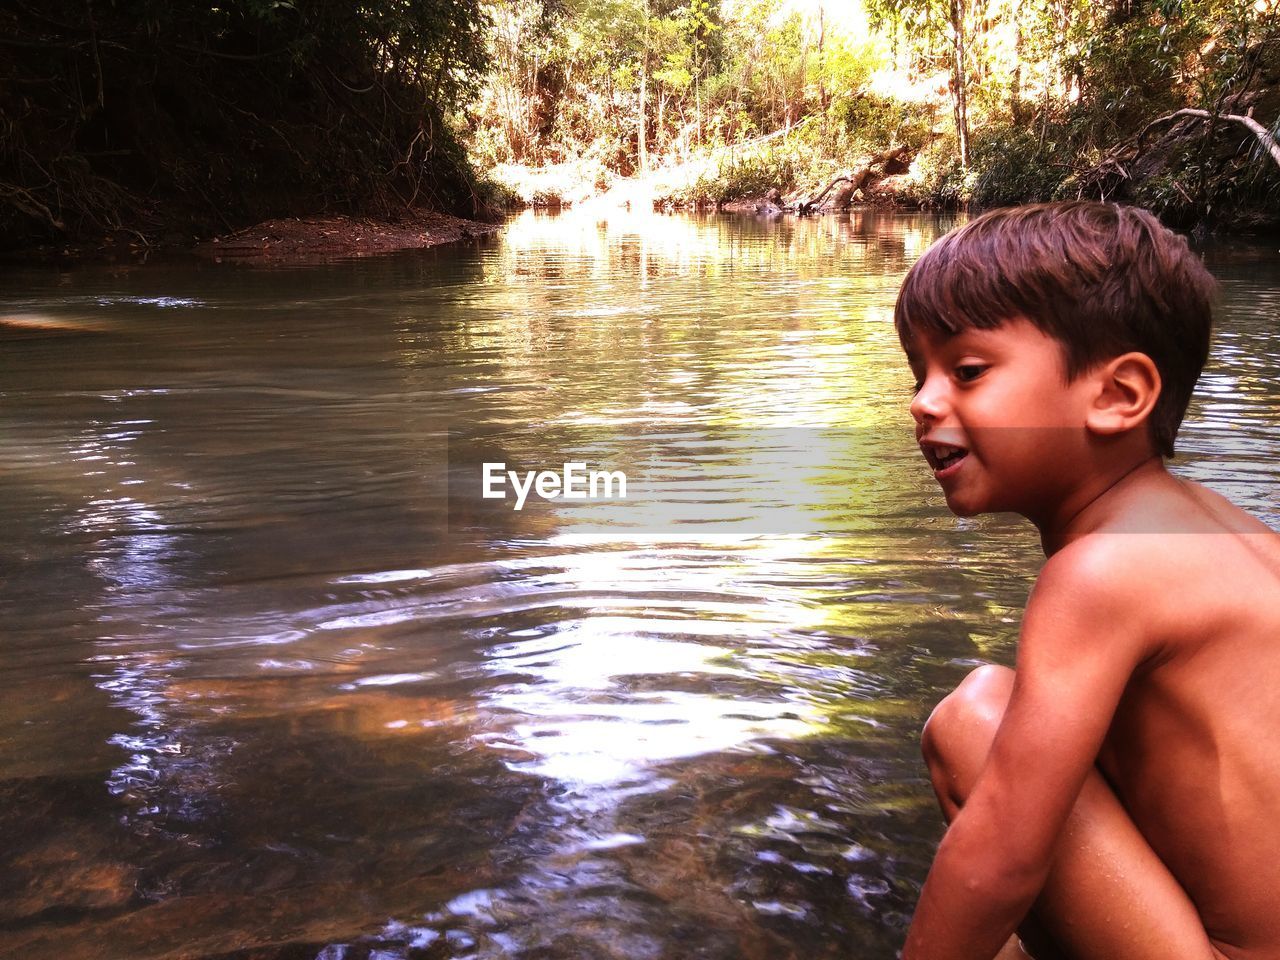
x: 282, y: 240
x: 321, y: 238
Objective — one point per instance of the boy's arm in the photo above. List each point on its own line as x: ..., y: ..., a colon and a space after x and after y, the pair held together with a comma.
x: 1081, y: 641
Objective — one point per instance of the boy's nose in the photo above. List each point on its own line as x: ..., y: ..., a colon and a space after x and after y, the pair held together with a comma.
x: 929, y: 403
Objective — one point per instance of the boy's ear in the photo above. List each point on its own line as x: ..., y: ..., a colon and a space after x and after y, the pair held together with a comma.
x: 1128, y: 387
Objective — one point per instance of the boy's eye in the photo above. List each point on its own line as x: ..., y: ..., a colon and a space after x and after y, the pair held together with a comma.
x: 969, y: 371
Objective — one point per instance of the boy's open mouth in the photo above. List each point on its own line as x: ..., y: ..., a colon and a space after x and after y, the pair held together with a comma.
x: 942, y: 456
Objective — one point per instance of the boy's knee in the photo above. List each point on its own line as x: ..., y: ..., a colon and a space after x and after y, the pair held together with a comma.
x: 966, y: 720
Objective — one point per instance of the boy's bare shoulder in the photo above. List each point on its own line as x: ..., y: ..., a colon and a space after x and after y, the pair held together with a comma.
x: 1094, y: 590
x: 1167, y: 559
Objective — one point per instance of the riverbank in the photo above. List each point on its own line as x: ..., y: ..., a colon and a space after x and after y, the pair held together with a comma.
x: 279, y: 240
x: 303, y: 238
x: 133, y: 129
x: 735, y: 179
x: 1239, y: 197
x: 743, y: 184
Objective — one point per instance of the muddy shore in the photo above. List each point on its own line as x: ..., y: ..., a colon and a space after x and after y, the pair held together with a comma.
x: 281, y: 240
x: 297, y: 238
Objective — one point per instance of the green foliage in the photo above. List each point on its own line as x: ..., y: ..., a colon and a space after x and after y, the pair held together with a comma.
x: 260, y: 107
x: 705, y: 78
x: 750, y: 176
x: 871, y: 122
x: 1013, y: 165
x: 937, y: 178
x: 1192, y: 184
x: 1128, y: 72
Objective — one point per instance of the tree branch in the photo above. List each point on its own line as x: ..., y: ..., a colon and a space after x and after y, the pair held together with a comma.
x: 1253, y: 126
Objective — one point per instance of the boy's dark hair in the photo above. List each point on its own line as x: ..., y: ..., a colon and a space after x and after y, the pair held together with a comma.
x: 1100, y: 278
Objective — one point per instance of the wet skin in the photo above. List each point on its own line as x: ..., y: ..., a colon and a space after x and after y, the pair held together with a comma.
x: 1150, y: 651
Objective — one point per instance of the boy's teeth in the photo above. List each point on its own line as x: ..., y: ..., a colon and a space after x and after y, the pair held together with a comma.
x: 945, y: 456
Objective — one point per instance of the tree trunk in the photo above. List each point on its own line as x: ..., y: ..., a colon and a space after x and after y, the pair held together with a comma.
x: 697, y: 101
x: 822, y: 72
x: 661, y: 131
x: 1015, y: 93
x: 697, y: 77
x: 801, y: 81
x: 959, y: 91
x: 642, y: 139
x: 641, y: 134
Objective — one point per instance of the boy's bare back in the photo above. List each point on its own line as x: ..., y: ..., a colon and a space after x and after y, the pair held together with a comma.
x: 1192, y: 748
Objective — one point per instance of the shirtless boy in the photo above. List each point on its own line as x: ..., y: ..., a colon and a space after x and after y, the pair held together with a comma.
x: 1118, y: 795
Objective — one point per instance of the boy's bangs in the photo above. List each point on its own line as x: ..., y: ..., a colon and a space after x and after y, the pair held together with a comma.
x: 954, y: 287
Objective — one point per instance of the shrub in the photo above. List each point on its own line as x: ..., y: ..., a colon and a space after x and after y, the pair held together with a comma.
x: 1011, y: 165
x: 936, y: 178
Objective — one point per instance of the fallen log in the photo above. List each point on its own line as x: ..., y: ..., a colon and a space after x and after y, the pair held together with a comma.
x: 856, y: 179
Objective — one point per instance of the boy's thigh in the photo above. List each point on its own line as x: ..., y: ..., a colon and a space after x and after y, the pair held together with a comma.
x: 1108, y: 895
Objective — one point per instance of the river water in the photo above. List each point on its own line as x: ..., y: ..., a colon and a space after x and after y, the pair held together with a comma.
x: 277, y: 684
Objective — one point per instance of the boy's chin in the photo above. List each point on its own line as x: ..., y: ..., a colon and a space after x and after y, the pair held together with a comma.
x: 963, y: 506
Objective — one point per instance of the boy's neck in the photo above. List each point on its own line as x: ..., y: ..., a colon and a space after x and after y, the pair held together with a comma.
x: 1087, y: 509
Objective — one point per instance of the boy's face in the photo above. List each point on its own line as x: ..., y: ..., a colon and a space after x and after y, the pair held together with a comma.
x: 997, y: 420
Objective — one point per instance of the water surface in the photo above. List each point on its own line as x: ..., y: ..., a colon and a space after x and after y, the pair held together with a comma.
x: 269, y: 691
